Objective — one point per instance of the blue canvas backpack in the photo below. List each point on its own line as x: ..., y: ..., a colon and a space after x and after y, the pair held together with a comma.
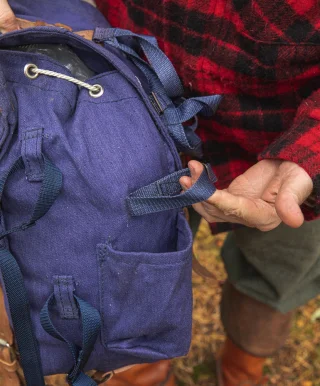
x: 95, y: 250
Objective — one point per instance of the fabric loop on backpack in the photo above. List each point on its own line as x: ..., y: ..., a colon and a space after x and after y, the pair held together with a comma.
x: 184, y: 136
x: 91, y: 325
x: 158, y: 60
x: 49, y: 191
x: 190, y: 107
x: 12, y: 277
x: 175, y: 115
x: 149, y: 72
x: 165, y: 84
x: 164, y: 194
x: 31, y: 151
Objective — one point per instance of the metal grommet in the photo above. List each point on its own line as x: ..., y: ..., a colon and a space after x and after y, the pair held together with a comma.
x: 97, y: 92
x: 29, y: 71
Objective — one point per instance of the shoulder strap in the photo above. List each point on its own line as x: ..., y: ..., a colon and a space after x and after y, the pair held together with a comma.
x: 13, y: 278
x: 8, y: 363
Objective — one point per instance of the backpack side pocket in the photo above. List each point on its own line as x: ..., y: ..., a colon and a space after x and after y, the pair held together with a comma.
x: 146, y: 299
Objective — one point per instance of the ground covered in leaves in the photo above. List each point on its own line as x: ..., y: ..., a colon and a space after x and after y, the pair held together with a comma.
x: 297, y: 364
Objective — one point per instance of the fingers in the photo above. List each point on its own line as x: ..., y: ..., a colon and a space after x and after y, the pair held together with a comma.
x: 289, y: 210
x: 224, y: 206
x: 295, y: 189
x: 254, y: 181
x: 247, y: 211
x: 212, y: 215
x: 196, y: 168
x: 8, y: 20
x: 269, y: 192
x: 207, y: 211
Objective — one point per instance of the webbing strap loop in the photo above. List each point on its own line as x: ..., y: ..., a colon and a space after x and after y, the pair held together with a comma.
x: 165, y: 193
x: 49, y: 191
x: 12, y: 276
x: 165, y: 85
x: 91, y: 325
x: 158, y: 60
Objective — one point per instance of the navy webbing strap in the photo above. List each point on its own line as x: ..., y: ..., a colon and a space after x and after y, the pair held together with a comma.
x: 21, y: 320
x: 165, y: 85
x: 91, y: 324
x: 165, y: 193
x: 13, y: 279
x: 157, y: 59
x: 184, y: 135
x: 49, y: 191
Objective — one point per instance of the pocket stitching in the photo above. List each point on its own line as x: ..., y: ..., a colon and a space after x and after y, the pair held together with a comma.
x: 107, y: 248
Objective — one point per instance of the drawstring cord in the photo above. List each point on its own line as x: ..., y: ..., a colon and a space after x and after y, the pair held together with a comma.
x: 32, y: 72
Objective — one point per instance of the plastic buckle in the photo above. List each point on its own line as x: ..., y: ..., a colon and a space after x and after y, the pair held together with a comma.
x: 210, y: 173
x: 207, y: 169
x: 156, y: 103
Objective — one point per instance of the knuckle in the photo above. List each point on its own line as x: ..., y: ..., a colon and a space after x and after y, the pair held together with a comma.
x: 7, y: 19
x: 209, y: 208
x: 233, y: 212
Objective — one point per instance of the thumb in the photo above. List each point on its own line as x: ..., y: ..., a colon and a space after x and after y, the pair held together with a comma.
x: 196, y: 168
x: 292, y: 193
x: 8, y: 21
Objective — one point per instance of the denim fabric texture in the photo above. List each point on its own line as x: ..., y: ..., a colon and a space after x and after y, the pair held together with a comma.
x: 136, y: 271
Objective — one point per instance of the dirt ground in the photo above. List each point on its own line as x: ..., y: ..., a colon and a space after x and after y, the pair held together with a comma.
x: 297, y: 364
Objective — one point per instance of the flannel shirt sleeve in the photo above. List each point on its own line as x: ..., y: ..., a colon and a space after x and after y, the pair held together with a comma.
x: 301, y: 144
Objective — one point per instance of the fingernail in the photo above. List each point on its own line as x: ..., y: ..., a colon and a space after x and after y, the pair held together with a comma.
x: 191, y: 168
x: 183, y: 186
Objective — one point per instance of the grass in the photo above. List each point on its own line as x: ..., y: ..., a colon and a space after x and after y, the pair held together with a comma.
x: 297, y: 364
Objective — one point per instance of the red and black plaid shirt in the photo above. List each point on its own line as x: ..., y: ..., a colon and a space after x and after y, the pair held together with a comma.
x: 262, y: 55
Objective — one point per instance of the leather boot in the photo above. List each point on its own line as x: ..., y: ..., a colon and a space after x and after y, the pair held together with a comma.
x: 255, y: 331
x: 236, y: 367
x: 154, y: 374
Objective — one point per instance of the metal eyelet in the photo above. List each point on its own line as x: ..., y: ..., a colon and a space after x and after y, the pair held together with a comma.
x: 29, y: 71
x: 98, y: 92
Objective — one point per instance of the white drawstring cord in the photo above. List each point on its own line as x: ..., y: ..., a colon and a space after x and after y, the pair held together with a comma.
x: 32, y: 72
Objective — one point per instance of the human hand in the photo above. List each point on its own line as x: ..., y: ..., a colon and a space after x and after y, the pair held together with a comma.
x: 268, y: 193
x: 8, y: 20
